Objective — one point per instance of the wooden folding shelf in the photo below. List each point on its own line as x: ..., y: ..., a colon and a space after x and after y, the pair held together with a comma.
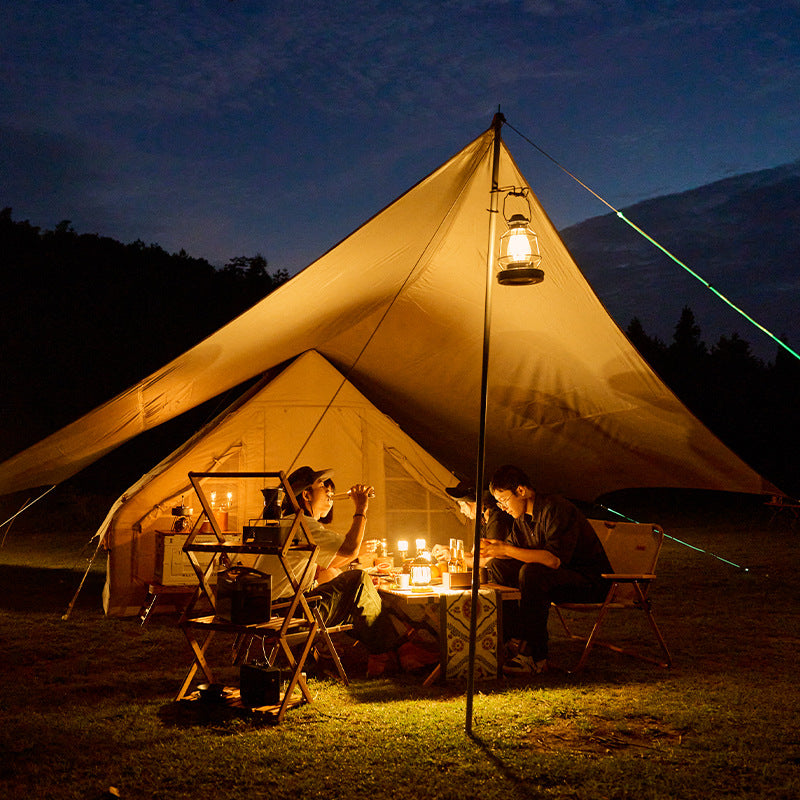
x: 293, y: 622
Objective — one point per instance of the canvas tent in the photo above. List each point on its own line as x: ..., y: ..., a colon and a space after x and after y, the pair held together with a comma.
x: 268, y: 430
x: 398, y: 307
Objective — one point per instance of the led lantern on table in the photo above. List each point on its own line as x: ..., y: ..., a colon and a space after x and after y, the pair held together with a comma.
x: 420, y: 571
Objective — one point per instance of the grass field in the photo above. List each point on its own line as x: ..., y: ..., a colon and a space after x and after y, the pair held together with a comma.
x: 87, y: 703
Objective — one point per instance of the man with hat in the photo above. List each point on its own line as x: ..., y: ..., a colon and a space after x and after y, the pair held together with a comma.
x: 346, y: 595
x: 496, y: 523
x: 464, y: 493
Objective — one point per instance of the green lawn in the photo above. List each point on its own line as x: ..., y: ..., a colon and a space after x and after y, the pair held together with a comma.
x: 87, y: 703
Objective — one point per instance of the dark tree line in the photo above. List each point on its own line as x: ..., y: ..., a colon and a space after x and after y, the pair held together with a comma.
x: 83, y: 317
x: 751, y: 405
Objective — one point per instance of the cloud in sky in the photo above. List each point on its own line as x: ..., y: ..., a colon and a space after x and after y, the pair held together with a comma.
x: 224, y: 126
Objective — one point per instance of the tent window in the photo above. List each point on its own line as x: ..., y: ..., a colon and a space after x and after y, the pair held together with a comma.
x: 414, y: 512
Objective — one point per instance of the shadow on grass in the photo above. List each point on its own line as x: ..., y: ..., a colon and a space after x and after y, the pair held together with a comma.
x: 522, y: 784
x: 41, y: 590
x: 213, y: 715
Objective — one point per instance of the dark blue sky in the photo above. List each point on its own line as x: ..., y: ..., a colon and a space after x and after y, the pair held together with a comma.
x: 230, y: 127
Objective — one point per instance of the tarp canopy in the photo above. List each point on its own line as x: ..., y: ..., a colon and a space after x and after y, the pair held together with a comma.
x: 308, y: 414
x: 398, y: 308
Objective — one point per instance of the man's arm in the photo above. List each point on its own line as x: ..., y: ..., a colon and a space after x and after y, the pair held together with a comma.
x: 354, y: 537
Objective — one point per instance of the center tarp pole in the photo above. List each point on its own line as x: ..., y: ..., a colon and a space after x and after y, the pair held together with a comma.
x: 497, y: 123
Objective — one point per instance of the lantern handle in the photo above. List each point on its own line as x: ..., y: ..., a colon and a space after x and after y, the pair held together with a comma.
x: 513, y: 191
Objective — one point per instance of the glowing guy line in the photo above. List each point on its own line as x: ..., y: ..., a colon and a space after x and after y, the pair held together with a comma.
x: 675, y: 539
x: 660, y: 247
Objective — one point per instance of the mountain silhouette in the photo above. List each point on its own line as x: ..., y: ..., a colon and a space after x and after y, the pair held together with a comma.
x: 741, y: 234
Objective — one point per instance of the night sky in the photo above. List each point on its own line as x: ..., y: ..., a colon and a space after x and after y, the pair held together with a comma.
x: 236, y: 127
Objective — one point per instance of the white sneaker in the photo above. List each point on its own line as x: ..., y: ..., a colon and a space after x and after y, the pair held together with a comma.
x: 524, y: 665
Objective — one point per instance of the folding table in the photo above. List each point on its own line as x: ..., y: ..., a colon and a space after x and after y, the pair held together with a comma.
x: 445, y: 615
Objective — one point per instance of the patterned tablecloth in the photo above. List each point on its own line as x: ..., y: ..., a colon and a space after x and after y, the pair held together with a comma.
x: 441, y: 618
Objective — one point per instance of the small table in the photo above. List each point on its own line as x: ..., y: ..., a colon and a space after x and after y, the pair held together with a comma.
x: 445, y: 614
x: 292, y: 620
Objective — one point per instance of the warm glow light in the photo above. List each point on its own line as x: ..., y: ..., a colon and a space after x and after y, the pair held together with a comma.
x: 213, y: 499
x: 402, y: 547
x: 520, y: 259
x: 420, y: 572
x: 519, y: 247
x: 420, y: 545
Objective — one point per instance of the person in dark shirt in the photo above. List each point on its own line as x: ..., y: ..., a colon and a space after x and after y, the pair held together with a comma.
x: 552, y: 554
x: 496, y: 523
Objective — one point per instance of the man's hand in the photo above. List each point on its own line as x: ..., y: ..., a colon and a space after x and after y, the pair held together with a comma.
x: 493, y: 548
x: 360, y: 495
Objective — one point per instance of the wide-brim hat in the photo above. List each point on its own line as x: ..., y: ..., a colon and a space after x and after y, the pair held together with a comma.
x: 464, y: 491
x: 303, y: 477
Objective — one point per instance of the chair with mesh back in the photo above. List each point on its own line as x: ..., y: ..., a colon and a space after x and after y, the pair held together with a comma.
x: 632, y: 549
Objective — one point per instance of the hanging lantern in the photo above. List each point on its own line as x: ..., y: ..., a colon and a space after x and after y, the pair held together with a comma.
x: 520, y: 259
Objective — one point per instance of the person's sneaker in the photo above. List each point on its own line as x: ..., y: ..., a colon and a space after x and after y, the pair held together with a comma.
x: 524, y: 665
x: 415, y: 656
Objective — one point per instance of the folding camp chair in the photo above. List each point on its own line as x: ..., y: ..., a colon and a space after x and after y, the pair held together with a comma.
x: 632, y: 549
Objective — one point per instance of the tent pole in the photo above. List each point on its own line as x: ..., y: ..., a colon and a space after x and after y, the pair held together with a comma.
x: 497, y: 123
x: 25, y: 506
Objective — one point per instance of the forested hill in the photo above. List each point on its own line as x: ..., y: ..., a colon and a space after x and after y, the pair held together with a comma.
x: 741, y: 234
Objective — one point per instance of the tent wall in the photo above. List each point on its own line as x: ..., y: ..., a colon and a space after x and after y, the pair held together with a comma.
x: 267, y: 432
